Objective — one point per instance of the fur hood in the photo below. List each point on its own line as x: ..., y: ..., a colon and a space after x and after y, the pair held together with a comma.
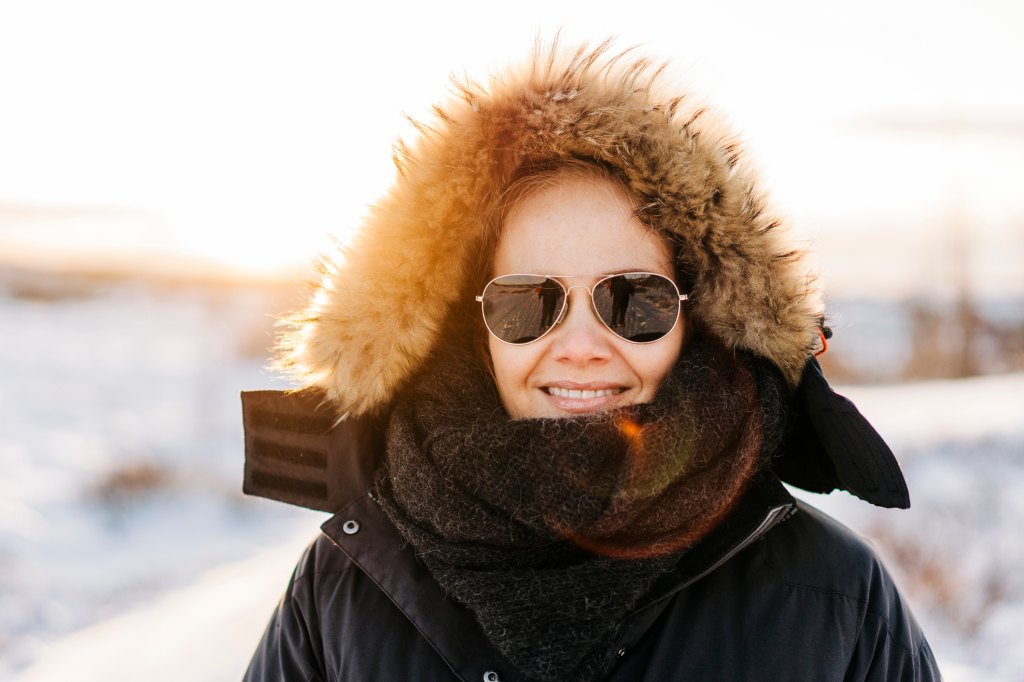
x: 378, y: 312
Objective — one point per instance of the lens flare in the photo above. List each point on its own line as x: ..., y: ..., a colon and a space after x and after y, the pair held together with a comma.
x: 672, y: 490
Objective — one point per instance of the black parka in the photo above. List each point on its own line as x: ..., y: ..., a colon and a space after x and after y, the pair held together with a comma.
x: 780, y: 591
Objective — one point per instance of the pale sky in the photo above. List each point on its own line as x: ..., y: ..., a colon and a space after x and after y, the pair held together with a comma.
x: 246, y: 132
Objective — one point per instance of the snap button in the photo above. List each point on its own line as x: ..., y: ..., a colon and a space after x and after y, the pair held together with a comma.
x: 491, y: 676
x: 351, y: 527
x: 621, y: 652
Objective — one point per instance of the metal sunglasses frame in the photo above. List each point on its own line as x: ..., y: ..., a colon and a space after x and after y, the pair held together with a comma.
x: 593, y: 304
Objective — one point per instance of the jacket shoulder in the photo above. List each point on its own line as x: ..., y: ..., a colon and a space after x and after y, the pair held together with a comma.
x: 815, y: 551
x: 322, y: 557
x: 815, y: 554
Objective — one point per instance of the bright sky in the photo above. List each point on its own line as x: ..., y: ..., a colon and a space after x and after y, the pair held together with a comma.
x: 246, y: 132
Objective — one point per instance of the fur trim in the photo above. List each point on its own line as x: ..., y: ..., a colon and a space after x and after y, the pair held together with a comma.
x: 378, y: 311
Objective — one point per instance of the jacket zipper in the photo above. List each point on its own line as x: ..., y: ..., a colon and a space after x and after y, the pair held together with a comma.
x: 774, y: 517
x: 770, y: 520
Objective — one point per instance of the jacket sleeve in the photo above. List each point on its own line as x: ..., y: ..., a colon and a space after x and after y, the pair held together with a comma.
x: 291, y: 648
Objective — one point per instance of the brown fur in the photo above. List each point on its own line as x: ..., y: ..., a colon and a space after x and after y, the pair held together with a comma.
x: 378, y: 312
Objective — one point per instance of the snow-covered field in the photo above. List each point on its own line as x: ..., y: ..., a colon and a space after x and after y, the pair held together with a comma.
x: 121, y: 452
x: 128, y: 552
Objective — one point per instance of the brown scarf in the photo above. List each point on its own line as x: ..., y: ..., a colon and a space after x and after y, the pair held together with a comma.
x: 550, y: 530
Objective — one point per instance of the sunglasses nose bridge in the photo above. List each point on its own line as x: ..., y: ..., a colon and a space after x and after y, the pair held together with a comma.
x: 589, y: 290
x: 589, y: 295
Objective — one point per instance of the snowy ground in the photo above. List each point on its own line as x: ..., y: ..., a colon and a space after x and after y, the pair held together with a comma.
x: 127, y: 552
x: 120, y: 448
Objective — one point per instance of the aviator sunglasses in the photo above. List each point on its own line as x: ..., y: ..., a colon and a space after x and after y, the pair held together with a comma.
x: 640, y: 307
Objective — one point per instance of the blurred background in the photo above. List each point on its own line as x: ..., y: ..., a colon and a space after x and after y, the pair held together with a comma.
x: 168, y: 172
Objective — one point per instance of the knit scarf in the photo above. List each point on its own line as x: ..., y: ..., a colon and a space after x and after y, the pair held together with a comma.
x: 550, y: 530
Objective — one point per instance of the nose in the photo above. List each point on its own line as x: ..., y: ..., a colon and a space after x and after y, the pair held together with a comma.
x: 580, y: 338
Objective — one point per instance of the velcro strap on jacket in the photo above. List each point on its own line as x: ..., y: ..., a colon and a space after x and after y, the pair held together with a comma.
x: 296, y: 451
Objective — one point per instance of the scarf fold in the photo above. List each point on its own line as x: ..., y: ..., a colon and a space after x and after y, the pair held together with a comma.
x: 550, y: 530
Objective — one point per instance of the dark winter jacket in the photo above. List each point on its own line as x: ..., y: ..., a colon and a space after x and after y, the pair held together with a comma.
x: 780, y: 591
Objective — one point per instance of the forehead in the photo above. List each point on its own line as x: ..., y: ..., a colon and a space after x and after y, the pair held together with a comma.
x: 579, y: 226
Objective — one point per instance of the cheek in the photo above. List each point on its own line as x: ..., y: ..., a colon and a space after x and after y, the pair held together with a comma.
x: 653, y: 363
x: 512, y: 367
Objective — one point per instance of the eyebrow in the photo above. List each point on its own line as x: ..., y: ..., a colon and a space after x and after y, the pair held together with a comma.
x: 609, y: 273
x: 669, y: 272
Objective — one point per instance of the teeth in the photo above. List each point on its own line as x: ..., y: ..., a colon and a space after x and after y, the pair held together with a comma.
x: 580, y: 395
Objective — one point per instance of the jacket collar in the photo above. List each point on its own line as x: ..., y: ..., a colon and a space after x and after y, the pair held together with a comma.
x: 366, y: 535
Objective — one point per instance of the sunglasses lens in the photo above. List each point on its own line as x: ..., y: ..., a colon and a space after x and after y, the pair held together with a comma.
x: 521, y: 308
x: 638, y: 306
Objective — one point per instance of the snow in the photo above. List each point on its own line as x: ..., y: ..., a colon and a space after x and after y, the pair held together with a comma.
x: 128, y: 552
x: 204, y: 632
x: 121, y: 449
x: 921, y: 416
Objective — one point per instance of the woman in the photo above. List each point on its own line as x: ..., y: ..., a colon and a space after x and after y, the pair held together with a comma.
x: 573, y: 357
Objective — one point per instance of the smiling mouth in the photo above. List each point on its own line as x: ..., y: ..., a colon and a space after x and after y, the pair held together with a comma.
x: 577, y: 394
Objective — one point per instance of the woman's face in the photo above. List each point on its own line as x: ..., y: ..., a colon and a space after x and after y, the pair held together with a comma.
x: 579, y: 226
